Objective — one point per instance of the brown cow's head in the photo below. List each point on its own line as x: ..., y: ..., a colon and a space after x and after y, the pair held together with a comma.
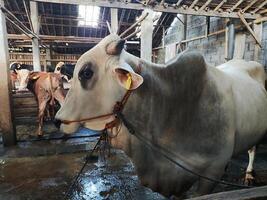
x: 23, y: 78
x: 99, y: 81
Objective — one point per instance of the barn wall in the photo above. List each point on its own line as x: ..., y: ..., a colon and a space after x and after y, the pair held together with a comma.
x: 213, y: 47
x: 26, y: 58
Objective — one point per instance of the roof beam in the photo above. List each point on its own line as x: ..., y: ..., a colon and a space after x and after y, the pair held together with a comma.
x: 193, y: 4
x: 249, y: 29
x: 157, y: 8
x: 260, y: 6
x: 236, y: 5
x: 50, y: 38
x: 28, y: 15
x: 220, y: 5
x: 249, y: 5
x: 205, y: 5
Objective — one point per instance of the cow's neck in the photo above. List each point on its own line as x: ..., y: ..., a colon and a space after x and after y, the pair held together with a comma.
x: 166, y: 102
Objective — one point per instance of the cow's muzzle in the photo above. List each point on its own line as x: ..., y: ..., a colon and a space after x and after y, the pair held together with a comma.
x: 57, y: 123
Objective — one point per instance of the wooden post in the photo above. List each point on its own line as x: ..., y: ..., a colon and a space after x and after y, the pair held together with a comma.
x: 114, y: 20
x: 146, y: 35
x: 229, y: 40
x: 240, y: 45
x: 6, y: 113
x: 48, y: 56
x: 35, y: 42
x: 258, y: 33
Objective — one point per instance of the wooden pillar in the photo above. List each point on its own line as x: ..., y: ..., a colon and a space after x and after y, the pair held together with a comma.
x: 229, y: 40
x: 146, y: 35
x: 48, y: 56
x: 114, y: 20
x: 6, y: 113
x: 258, y: 33
x: 35, y: 42
x: 240, y: 46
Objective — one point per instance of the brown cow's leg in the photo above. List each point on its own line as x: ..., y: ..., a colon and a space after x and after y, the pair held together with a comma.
x: 42, y: 108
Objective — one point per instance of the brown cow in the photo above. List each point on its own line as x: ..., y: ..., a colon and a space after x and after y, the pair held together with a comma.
x: 47, y: 87
x: 13, y: 77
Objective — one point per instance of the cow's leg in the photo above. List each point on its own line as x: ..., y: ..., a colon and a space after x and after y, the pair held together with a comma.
x: 47, y: 116
x: 42, y: 108
x: 249, y: 178
x: 206, y: 186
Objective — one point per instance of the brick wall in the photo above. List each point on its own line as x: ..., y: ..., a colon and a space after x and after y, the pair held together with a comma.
x: 213, y: 47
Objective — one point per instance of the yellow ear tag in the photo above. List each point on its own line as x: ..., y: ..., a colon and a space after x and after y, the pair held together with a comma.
x: 128, y: 82
x: 35, y: 77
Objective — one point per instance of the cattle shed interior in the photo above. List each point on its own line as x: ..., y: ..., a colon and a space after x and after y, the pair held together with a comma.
x: 42, y: 34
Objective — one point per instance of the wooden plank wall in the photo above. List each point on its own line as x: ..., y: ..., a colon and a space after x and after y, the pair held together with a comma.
x: 25, y: 107
x: 26, y: 58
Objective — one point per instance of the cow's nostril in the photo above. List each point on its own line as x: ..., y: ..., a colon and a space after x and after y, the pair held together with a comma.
x: 57, y: 123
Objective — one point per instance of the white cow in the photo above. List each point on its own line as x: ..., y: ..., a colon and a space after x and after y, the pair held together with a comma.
x: 201, y: 114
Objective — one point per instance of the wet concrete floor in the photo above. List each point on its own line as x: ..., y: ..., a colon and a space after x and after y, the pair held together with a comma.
x: 48, y: 177
x: 44, y: 170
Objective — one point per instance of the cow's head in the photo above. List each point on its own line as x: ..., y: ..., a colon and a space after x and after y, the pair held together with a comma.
x: 100, y: 79
x: 23, y: 78
x: 22, y: 72
x: 58, y: 67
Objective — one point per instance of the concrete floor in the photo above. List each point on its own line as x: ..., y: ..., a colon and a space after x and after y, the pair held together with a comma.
x: 48, y: 177
x: 45, y: 169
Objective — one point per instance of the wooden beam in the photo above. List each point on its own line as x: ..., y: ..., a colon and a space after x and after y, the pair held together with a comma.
x: 54, y: 38
x: 6, y: 113
x: 156, y: 8
x: 263, y: 11
x: 260, y: 20
x: 249, y: 29
x: 220, y: 5
x: 18, y: 27
x: 28, y: 15
x: 249, y: 5
x: 179, y: 2
x: 236, y: 5
x: 205, y: 5
x: 193, y: 4
x: 18, y: 22
x: 251, y: 193
x: 260, y: 6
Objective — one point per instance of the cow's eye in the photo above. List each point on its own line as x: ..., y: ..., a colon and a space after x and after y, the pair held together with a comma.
x: 86, y: 73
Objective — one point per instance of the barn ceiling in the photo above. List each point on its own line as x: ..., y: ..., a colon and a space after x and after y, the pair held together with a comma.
x: 58, y: 19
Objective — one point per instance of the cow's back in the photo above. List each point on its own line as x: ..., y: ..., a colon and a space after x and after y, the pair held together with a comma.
x: 250, y: 100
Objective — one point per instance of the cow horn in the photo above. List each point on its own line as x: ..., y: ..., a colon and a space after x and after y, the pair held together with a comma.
x: 115, y: 47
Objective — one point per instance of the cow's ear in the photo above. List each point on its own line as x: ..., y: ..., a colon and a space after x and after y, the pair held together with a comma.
x: 34, y: 75
x: 115, y: 47
x: 127, y: 78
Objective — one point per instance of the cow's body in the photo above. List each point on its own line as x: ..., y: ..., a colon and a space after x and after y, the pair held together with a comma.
x: 13, y: 77
x: 217, y: 114
x: 47, y: 87
x: 201, y: 114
